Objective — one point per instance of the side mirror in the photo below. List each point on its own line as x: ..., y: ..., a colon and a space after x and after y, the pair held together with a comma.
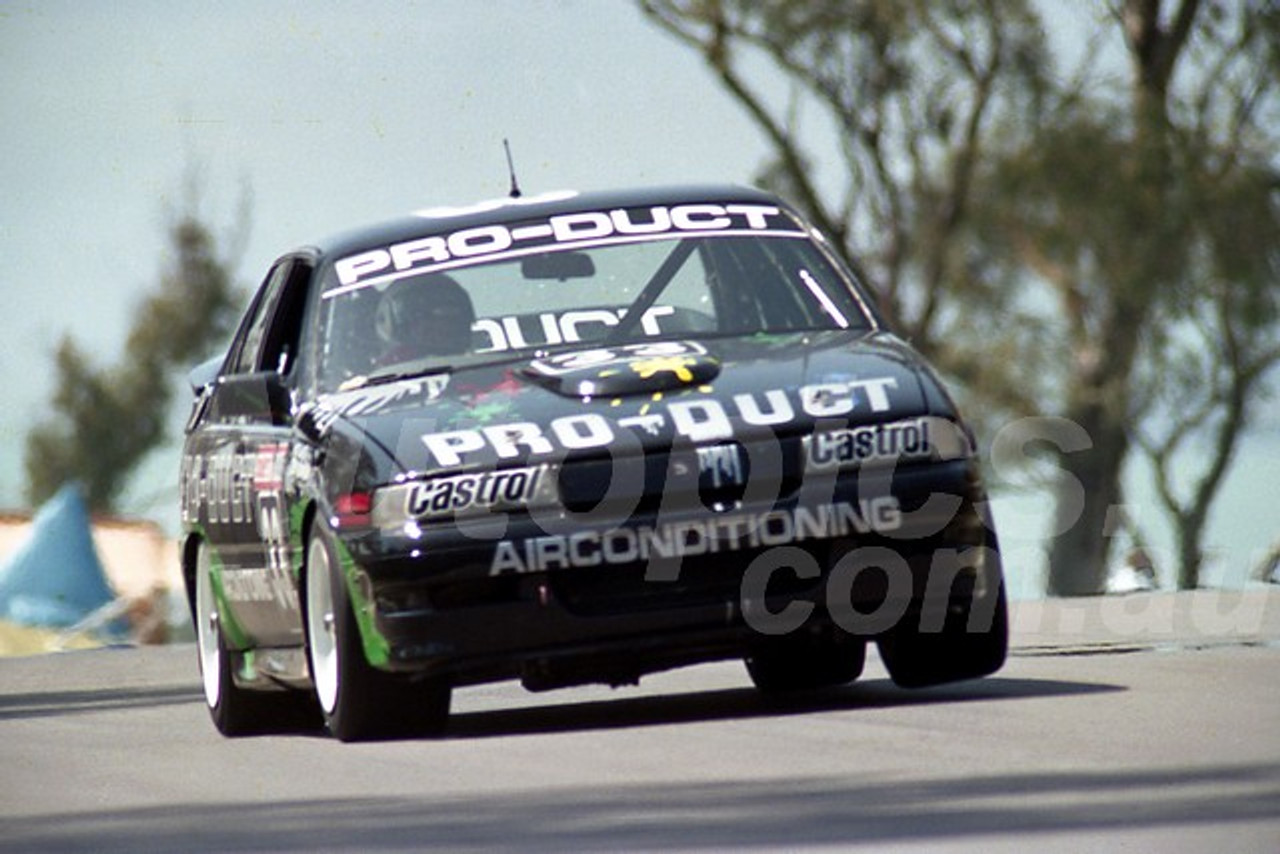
x: 204, y: 374
x: 262, y: 396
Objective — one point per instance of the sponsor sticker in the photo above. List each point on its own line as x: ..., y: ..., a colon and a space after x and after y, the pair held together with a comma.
x: 493, y: 490
x: 856, y: 446
x: 616, y: 358
x: 585, y: 228
x: 699, y: 420
x: 513, y: 332
x: 694, y: 537
x: 721, y: 466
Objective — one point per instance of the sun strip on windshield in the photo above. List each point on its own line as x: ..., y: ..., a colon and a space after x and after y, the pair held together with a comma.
x: 510, y: 254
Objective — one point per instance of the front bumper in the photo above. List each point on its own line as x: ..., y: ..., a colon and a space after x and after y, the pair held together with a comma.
x: 563, y: 602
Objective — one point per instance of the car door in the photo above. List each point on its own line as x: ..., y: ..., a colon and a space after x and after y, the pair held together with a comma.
x: 247, y: 441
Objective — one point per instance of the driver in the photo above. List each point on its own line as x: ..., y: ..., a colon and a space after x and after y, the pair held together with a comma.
x: 428, y: 316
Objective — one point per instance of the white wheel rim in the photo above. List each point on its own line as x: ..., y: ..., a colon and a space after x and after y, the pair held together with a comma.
x: 321, y: 627
x: 207, y: 629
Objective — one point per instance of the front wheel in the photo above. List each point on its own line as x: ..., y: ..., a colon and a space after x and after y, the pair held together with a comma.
x: 236, y: 710
x: 805, y: 663
x: 359, y: 702
x: 973, y: 642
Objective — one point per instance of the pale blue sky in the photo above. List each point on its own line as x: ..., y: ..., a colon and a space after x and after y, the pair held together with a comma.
x: 332, y: 113
x: 336, y: 114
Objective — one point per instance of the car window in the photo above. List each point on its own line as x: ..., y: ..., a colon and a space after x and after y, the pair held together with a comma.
x: 719, y: 276
x: 279, y: 346
x: 269, y: 335
x: 246, y: 348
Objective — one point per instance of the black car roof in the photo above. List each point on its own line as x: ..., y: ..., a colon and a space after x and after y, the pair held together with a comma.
x: 451, y: 218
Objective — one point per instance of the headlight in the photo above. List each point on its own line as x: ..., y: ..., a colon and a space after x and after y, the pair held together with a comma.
x: 402, y: 506
x: 925, y: 439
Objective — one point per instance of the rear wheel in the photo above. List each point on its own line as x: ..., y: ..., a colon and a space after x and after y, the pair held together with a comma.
x: 236, y: 710
x: 805, y: 662
x: 358, y: 701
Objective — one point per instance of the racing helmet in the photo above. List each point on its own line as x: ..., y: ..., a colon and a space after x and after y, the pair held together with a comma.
x: 424, y: 316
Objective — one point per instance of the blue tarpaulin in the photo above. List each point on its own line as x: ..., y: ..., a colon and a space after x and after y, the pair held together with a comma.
x: 55, y: 578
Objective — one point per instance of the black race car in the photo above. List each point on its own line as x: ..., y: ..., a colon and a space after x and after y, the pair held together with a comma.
x: 571, y: 439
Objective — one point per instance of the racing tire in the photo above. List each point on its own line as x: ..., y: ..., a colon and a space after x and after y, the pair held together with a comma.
x: 918, y: 659
x: 358, y: 701
x: 805, y: 663
x: 235, y: 710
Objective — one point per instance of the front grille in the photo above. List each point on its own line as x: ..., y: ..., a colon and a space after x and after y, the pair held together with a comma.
x: 708, y: 477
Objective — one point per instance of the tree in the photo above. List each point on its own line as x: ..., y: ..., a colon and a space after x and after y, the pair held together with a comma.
x: 1039, y: 240
x: 1152, y: 219
x: 106, y: 420
x: 1218, y: 357
x: 914, y: 92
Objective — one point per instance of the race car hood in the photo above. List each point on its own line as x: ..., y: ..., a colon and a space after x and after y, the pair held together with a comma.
x: 640, y: 397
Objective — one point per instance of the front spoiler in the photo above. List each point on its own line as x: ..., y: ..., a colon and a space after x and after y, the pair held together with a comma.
x: 442, y: 608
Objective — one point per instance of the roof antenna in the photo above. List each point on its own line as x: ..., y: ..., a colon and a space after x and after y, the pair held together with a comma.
x: 515, y: 187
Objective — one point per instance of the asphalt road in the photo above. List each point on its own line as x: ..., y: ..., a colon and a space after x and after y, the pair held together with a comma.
x: 1137, y: 725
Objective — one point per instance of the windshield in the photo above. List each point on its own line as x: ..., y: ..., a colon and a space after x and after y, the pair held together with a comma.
x: 379, y: 321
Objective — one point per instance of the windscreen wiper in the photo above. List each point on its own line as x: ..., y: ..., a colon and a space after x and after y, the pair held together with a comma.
x: 430, y: 367
x: 406, y: 374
